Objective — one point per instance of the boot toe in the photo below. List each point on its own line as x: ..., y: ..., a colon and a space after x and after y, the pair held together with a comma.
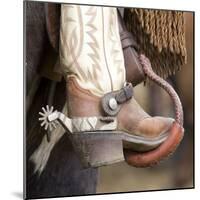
x: 152, y: 132
x: 154, y: 126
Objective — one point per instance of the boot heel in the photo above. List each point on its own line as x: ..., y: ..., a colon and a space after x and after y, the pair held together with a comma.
x: 97, y: 149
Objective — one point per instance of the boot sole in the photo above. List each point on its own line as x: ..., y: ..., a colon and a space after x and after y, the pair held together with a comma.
x: 152, y: 157
x: 100, y: 148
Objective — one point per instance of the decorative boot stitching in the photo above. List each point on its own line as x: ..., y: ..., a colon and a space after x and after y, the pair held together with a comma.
x: 105, y: 50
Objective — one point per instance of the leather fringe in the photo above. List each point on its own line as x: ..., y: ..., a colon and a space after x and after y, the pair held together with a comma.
x: 160, y: 35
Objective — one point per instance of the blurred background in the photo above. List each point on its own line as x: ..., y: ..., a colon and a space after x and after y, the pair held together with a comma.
x: 177, y: 170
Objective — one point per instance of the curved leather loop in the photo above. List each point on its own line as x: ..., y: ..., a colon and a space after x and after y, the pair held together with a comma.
x: 152, y: 157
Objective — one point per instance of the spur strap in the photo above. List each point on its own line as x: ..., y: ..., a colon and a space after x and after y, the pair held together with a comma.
x: 127, y: 40
x: 111, y: 102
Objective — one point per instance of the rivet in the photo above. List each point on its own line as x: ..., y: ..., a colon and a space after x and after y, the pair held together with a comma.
x: 113, y: 103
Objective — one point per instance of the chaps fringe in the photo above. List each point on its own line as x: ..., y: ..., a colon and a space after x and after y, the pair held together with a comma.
x: 161, y: 36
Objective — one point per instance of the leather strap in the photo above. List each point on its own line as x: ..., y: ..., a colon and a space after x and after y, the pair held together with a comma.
x: 124, y: 94
x: 126, y: 37
x: 111, y: 102
x: 127, y: 40
x: 134, y: 71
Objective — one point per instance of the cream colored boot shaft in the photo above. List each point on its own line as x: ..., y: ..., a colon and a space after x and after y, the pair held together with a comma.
x: 90, y: 48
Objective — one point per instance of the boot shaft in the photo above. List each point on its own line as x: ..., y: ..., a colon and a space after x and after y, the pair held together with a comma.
x: 90, y: 47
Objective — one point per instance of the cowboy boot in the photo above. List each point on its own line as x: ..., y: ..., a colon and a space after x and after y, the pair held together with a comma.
x: 101, y: 105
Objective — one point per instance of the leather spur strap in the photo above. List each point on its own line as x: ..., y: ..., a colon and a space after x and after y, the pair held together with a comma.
x: 127, y: 40
x: 111, y: 102
x: 134, y: 72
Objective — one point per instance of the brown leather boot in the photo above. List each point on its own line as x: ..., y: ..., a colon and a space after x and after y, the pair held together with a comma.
x: 98, y: 126
x: 143, y: 134
x: 131, y: 118
x: 102, y: 112
x: 134, y: 71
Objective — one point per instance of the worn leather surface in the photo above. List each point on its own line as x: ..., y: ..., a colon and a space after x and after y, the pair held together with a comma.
x: 134, y: 73
x: 127, y: 38
x: 131, y: 118
x: 52, y: 15
x: 81, y: 103
x: 125, y: 93
x: 49, y: 64
x: 36, y: 40
x: 121, y: 96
